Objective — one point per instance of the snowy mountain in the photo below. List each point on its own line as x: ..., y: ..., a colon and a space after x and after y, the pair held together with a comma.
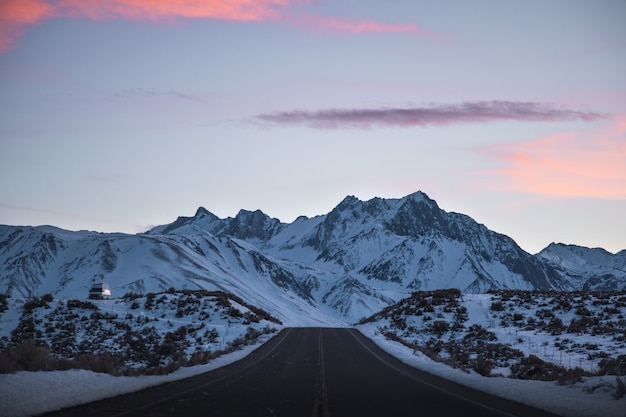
x: 36, y: 261
x: 590, y: 269
x: 332, y: 269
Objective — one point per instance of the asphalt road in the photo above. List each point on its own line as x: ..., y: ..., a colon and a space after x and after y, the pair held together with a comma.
x: 312, y: 372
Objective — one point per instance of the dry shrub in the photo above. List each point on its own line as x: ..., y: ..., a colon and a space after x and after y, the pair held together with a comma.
x: 482, y: 366
x: 107, y: 364
x: 613, y: 366
x: 26, y: 356
x: 534, y: 368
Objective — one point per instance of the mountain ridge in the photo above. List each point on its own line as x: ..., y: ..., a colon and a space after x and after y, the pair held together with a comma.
x: 337, y: 267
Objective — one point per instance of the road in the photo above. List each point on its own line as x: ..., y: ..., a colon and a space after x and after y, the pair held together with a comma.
x: 311, y: 372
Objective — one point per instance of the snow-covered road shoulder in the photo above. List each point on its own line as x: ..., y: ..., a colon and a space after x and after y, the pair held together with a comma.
x: 566, y: 401
x: 61, y: 389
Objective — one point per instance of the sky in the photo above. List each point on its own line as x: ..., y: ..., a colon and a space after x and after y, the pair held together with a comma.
x: 125, y: 114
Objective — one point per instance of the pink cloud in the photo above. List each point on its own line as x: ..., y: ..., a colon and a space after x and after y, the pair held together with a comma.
x: 237, y: 10
x: 17, y: 15
x: 356, y: 26
x: 442, y: 114
x: 566, y: 164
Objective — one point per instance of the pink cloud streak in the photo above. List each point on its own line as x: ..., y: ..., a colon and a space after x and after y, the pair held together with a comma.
x: 441, y: 114
x: 352, y: 26
x: 566, y: 164
x: 236, y: 10
x: 17, y: 15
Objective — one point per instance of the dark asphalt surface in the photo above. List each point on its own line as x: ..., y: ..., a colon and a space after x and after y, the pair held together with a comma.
x: 312, y: 372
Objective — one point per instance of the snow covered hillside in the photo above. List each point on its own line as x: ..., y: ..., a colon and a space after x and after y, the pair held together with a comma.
x: 151, y: 334
x: 490, y: 333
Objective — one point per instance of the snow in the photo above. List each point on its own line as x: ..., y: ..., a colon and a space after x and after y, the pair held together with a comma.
x: 66, y: 234
x: 583, y: 262
x: 61, y: 389
x: 566, y: 401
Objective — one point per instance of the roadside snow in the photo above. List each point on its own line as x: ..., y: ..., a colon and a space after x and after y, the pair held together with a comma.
x: 566, y: 401
x: 61, y: 389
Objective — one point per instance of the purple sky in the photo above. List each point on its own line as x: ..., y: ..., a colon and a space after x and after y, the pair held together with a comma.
x: 120, y: 115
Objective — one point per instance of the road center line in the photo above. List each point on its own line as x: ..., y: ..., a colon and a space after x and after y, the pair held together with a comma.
x: 320, y: 405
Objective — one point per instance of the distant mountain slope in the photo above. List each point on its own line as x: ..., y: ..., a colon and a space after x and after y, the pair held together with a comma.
x: 36, y: 261
x: 333, y: 268
x: 589, y: 269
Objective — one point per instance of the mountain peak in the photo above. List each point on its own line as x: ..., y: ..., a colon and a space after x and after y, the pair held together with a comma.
x: 421, y: 197
x: 203, y: 217
x: 201, y: 211
x: 253, y: 224
x: 417, y: 195
x: 247, y: 213
x: 348, y: 201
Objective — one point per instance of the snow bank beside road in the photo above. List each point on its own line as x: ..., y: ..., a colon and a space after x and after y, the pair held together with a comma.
x: 31, y: 393
x: 566, y: 401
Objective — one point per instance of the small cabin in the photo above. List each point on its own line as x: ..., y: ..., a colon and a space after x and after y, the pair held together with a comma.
x: 99, y: 291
